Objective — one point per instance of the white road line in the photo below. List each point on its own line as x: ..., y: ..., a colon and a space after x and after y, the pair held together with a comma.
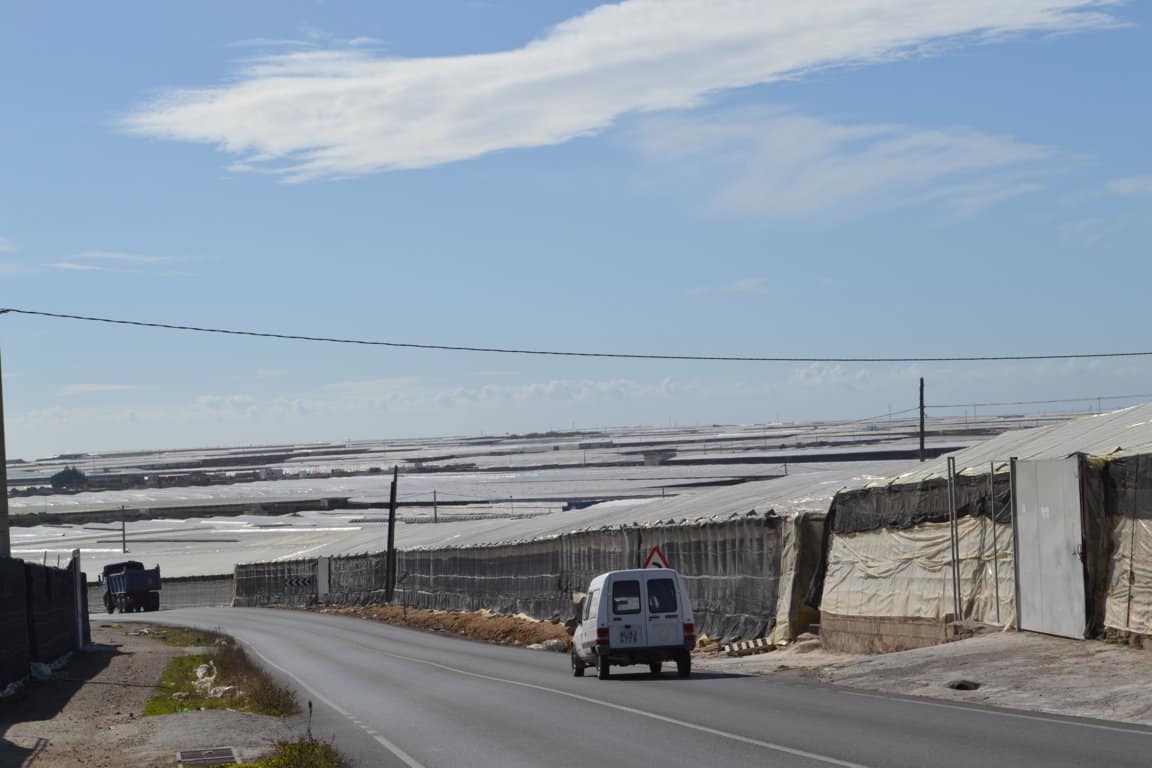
x: 999, y: 713
x: 403, y: 756
x: 640, y: 712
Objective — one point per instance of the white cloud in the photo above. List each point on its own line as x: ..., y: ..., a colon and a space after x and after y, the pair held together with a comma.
x: 77, y: 267
x: 87, y: 389
x: 1133, y: 186
x: 271, y: 42
x: 1085, y: 232
x: 822, y: 375
x: 777, y: 161
x: 342, y: 112
x: 121, y: 257
x: 748, y: 285
x: 114, y: 261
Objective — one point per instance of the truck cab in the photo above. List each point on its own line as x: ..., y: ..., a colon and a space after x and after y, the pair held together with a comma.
x: 640, y: 616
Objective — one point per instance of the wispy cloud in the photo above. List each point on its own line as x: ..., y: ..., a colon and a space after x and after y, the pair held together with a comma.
x: 340, y: 112
x: 77, y: 267
x: 114, y: 261
x: 1133, y: 186
x: 88, y: 389
x: 6, y: 245
x: 749, y: 285
x: 271, y: 42
x: 1085, y: 232
x: 777, y: 161
x: 121, y: 257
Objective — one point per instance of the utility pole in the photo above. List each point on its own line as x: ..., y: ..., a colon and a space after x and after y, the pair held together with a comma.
x: 390, y: 562
x: 123, y: 532
x: 435, y: 508
x: 921, y: 418
x: 5, y: 537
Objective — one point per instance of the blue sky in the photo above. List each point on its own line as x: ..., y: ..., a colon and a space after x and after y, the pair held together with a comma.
x: 872, y: 177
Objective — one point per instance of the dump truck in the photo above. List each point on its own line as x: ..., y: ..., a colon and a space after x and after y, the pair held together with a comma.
x: 129, y: 587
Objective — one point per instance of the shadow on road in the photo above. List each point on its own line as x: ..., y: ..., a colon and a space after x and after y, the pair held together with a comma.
x: 646, y: 677
x: 42, y: 700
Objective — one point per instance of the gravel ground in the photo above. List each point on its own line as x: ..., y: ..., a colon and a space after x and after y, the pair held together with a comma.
x: 89, y: 714
x: 1019, y: 670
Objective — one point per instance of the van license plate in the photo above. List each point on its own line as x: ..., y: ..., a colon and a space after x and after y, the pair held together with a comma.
x: 628, y: 636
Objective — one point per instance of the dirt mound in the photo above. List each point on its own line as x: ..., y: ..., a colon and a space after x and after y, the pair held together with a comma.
x: 479, y: 625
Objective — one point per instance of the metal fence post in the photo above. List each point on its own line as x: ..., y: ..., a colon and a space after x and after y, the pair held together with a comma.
x: 995, y: 548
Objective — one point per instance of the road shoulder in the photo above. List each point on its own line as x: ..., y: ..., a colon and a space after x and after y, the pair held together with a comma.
x: 89, y: 715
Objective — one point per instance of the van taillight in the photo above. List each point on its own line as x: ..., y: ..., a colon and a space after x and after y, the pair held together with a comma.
x: 690, y: 633
x: 602, y: 636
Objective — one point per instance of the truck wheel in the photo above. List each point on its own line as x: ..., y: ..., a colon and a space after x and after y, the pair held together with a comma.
x: 602, y: 670
x: 654, y: 668
x: 577, y: 665
x: 109, y: 604
x: 684, y: 663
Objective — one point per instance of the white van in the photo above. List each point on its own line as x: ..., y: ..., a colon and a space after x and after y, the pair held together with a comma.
x: 641, y: 616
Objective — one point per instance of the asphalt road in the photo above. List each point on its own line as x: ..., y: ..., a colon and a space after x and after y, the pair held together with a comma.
x: 398, y: 697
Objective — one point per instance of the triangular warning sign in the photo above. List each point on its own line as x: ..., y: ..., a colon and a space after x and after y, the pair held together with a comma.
x: 656, y: 559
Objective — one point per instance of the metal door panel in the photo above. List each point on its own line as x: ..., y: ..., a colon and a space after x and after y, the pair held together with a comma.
x: 664, y: 625
x: 626, y: 628
x: 1050, y: 540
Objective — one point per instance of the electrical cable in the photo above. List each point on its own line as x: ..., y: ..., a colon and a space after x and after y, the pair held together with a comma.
x: 1046, y: 402
x: 570, y: 353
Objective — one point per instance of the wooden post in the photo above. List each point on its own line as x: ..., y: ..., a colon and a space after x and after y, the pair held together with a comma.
x: 921, y: 418
x: 390, y: 563
x: 5, y: 536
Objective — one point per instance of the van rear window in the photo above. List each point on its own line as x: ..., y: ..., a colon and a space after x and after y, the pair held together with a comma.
x: 661, y: 596
x: 626, y: 597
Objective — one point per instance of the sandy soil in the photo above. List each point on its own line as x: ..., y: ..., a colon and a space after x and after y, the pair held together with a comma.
x: 89, y: 714
x: 1019, y: 670
x: 479, y: 625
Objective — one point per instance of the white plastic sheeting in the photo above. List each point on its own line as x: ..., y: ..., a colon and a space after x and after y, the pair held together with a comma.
x: 890, y: 573
x: 1126, y: 432
x: 1129, y: 603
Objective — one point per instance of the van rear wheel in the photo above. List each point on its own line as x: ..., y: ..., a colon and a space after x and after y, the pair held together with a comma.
x: 684, y: 663
x: 577, y: 665
x: 654, y: 668
x: 602, y: 670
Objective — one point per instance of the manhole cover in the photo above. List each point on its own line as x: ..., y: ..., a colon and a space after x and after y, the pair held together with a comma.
x: 213, y: 756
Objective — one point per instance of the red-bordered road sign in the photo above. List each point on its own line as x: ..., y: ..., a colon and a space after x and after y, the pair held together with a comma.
x: 656, y: 559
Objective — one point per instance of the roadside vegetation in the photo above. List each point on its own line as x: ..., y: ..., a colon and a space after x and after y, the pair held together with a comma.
x: 186, y: 637
x: 225, y: 679
x: 303, y: 753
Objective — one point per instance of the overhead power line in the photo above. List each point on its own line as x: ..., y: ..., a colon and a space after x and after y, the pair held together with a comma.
x: 1064, y: 400
x: 570, y: 353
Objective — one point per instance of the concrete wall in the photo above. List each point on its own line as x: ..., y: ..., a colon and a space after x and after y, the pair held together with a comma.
x: 38, y: 617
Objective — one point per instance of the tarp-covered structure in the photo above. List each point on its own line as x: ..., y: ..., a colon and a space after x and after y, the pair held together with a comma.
x: 886, y: 579
x: 748, y: 553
